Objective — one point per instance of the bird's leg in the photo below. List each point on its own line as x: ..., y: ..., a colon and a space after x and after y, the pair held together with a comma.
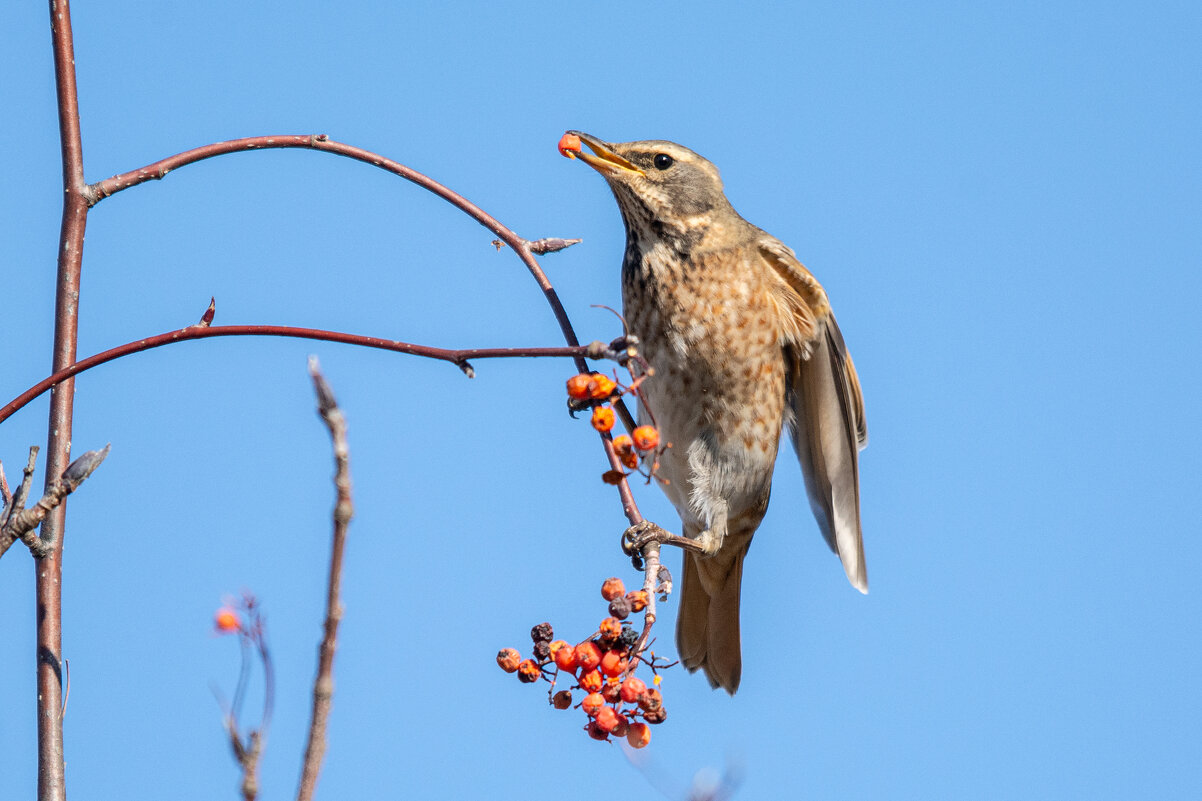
x: 637, y: 537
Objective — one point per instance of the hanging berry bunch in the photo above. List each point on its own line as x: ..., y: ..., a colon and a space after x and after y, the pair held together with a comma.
x: 616, y: 702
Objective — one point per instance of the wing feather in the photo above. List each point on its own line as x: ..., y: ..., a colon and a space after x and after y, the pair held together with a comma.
x: 823, y: 392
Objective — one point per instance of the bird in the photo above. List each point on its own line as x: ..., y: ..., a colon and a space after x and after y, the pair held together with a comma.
x: 744, y: 347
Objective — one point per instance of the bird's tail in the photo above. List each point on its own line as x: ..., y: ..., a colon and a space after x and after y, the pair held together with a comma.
x: 707, y: 627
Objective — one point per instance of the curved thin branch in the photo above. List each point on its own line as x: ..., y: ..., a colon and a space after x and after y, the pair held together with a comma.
x: 159, y: 169
x: 458, y: 357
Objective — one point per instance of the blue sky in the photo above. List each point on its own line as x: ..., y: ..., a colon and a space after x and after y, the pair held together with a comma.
x: 1002, y: 201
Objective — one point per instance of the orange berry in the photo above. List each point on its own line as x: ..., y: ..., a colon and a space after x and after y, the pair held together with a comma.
x: 509, y: 659
x: 592, y: 681
x: 603, y: 418
x: 565, y: 657
x: 607, y: 719
x: 226, y: 620
x: 645, y: 437
x: 562, y: 699
x: 611, y: 628
x: 638, y: 600
x: 651, y: 700
x: 614, y: 663
x: 638, y: 735
x: 592, y: 704
x: 602, y: 386
x: 569, y: 145
x: 623, y: 444
x: 622, y: 726
x: 611, y: 692
x: 529, y: 671
x: 588, y: 655
x: 578, y: 386
x: 632, y: 688
x: 611, y: 588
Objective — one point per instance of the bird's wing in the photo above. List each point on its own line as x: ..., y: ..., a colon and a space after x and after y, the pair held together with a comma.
x: 823, y: 394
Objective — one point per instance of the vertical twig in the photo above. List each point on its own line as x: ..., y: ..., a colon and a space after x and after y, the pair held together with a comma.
x: 323, y: 685
x: 48, y: 570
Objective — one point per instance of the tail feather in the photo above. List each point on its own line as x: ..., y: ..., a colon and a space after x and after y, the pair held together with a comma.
x: 707, y: 628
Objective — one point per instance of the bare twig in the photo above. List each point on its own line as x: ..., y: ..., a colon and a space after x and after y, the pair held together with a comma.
x: 248, y: 748
x: 21, y: 523
x: 461, y: 357
x: 323, y: 685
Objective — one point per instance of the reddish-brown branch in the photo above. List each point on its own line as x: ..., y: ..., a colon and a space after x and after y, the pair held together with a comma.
x: 323, y: 684
x: 462, y: 357
x: 48, y: 570
x: 522, y: 247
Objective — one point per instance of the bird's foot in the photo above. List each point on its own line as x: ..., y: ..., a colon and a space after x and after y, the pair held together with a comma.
x: 637, y: 537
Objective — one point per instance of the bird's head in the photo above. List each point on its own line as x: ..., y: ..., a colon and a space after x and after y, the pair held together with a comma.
x: 664, y: 190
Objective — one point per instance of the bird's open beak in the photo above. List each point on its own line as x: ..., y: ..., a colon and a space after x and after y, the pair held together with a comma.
x: 605, y: 161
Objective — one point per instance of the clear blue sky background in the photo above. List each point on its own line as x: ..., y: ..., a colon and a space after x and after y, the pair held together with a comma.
x: 1002, y: 200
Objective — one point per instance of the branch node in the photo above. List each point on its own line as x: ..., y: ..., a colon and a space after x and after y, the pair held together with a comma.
x: 467, y: 368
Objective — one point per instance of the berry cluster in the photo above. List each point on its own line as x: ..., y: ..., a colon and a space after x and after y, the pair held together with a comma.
x: 616, y: 701
x: 597, y: 389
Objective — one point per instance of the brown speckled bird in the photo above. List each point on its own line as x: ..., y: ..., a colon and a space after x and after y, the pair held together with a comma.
x: 744, y: 345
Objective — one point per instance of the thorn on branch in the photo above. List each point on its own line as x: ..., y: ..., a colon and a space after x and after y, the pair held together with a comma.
x: 498, y: 244
x: 551, y: 245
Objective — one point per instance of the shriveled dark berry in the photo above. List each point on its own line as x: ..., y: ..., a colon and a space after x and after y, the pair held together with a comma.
x: 542, y: 651
x: 658, y: 716
x: 542, y: 633
x: 612, y: 693
x: 628, y: 637
x: 620, y: 607
x: 562, y: 699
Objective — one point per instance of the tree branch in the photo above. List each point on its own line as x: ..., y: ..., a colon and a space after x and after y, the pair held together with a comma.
x: 52, y: 783
x: 323, y: 685
x: 460, y: 357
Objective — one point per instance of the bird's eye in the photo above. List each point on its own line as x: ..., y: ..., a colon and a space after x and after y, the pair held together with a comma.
x: 662, y: 161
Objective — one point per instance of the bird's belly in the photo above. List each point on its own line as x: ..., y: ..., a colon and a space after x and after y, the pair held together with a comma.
x: 718, y: 397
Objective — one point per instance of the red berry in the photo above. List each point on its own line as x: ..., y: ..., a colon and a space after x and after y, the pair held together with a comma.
x: 632, y: 688
x: 592, y: 681
x: 603, y: 418
x: 588, y: 655
x: 569, y: 145
x: 602, y: 386
x: 595, y: 731
x: 509, y: 659
x: 611, y: 628
x: 529, y: 671
x: 638, y: 735
x: 651, y: 699
x: 645, y: 437
x: 565, y: 657
x: 614, y: 663
x: 592, y: 704
x: 226, y: 620
x: 578, y: 386
x: 611, y: 588
x: 607, y: 719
